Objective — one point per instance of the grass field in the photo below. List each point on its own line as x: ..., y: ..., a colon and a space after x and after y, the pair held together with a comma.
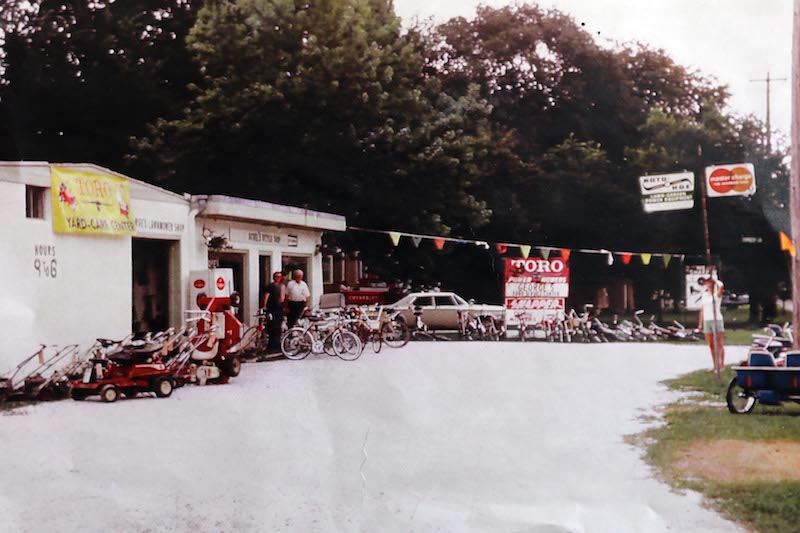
x: 766, y: 506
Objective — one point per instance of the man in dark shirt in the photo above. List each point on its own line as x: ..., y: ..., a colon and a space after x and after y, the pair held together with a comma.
x: 273, y: 304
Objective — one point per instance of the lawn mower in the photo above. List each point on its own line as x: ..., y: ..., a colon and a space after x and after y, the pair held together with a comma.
x: 40, y: 376
x: 764, y: 379
x: 128, y: 368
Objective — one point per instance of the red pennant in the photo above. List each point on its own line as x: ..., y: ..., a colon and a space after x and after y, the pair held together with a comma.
x: 626, y: 258
x: 502, y: 248
x: 439, y: 243
x: 565, y: 253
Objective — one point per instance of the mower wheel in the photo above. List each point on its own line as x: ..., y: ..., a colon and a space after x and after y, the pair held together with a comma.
x: 163, y: 387
x: 232, y: 366
x: 109, y: 393
x: 78, y: 394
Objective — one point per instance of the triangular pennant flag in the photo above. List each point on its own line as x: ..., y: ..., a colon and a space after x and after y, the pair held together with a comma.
x: 565, y: 253
x: 416, y: 241
x: 666, y: 258
x: 545, y: 252
x: 482, y: 243
x: 610, y: 259
x: 395, y: 237
x: 525, y: 249
x: 439, y: 243
x: 626, y: 258
x: 786, y: 244
x: 646, y: 258
x: 502, y: 248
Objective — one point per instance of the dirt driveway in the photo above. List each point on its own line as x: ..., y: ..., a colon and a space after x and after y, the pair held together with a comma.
x: 433, y: 437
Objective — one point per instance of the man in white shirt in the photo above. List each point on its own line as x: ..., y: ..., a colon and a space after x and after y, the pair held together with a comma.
x: 299, y: 297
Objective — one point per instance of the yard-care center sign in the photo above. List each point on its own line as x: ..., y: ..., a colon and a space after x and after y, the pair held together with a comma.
x: 90, y: 203
x: 536, y: 289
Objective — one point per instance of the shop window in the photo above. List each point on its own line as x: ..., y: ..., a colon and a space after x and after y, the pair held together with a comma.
x: 327, y: 269
x: 35, y: 198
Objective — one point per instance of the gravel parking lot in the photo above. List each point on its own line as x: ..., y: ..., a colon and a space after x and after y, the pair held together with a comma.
x: 433, y: 437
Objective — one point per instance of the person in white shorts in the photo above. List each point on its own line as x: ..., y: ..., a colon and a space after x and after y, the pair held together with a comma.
x: 711, y: 304
x: 299, y: 297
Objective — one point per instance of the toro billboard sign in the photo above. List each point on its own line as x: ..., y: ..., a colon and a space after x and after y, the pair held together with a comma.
x: 731, y: 180
x: 536, y: 289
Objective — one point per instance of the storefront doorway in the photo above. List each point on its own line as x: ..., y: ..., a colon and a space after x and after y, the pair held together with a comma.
x: 264, y: 276
x: 290, y: 263
x: 151, y: 284
x: 234, y: 261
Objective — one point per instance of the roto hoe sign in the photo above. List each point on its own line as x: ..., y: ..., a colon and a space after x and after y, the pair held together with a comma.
x: 536, y: 289
x: 731, y: 180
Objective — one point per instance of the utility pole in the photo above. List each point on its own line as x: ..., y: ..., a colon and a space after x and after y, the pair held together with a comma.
x: 794, y: 187
x: 768, y: 80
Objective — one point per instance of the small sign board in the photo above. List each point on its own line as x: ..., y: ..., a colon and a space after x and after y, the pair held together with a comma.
x: 667, y: 192
x: 731, y: 180
x: 535, y: 289
x: 694, y: 292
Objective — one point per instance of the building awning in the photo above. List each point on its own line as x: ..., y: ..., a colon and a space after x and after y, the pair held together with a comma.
x: 231, y: 208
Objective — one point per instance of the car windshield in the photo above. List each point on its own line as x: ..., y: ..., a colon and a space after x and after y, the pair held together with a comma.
x: 460, y: 300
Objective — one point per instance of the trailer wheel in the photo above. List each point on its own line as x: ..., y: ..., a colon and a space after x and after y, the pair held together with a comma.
x: 163, y: 387
x: 109, y: 393
x: 739, y: 400
x: 232, y: 366
x: 78, y: 394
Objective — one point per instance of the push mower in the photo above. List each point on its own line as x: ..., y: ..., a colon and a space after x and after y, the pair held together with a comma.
x: 39, y: 377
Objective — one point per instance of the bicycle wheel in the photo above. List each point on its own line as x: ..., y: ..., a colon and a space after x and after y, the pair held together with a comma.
x: 376, y: 340
x: 395, y: 333
x: 296, y: 343
x: 347, y: 345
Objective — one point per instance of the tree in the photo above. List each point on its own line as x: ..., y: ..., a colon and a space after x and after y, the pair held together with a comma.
x: 79, y: 78
x: 330, y: 97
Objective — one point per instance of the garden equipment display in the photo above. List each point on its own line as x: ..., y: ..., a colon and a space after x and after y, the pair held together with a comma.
x: 765, y: 380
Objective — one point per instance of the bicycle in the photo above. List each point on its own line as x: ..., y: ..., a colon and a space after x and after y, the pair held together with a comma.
x: 321, y: 336
x: 421, y: 332
x: 256, y: 338
x: 386, y: 328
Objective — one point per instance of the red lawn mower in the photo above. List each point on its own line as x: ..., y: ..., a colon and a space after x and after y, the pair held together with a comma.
x: 126, y: 368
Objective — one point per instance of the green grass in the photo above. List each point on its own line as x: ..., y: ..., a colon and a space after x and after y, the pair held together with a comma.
x: 765, y: 506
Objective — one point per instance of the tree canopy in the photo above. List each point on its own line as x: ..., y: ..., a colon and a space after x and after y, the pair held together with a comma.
x: 511, y: 125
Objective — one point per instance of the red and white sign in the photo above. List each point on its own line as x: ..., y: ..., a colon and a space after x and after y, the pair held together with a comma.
x: 731, y: 180
x: 220, y: 283
x: 199, y: 283
x: 535, y: 289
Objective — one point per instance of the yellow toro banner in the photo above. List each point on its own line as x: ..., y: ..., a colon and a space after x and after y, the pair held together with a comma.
x: 90, y: 203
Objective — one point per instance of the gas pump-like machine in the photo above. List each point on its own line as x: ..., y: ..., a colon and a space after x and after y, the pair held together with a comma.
x: 213, y: 299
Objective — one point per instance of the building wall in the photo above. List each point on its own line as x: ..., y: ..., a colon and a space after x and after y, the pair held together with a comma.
x: 81, y: 290
x: 253, y: 240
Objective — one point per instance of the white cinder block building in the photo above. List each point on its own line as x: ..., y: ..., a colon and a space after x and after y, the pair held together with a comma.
x: 64, y: 288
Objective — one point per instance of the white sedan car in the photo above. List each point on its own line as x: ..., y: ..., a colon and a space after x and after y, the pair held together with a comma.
x: 440, y: 309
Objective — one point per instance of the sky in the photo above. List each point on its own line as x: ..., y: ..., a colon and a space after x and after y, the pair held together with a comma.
x: 734, y: 41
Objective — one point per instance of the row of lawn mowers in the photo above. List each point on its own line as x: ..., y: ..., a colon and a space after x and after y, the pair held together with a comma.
x: 205, y: 350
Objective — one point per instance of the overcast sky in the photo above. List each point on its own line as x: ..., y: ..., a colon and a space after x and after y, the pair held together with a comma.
x: 733, y: 40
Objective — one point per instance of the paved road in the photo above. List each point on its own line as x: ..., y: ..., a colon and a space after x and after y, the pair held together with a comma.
x: 434, y: 437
